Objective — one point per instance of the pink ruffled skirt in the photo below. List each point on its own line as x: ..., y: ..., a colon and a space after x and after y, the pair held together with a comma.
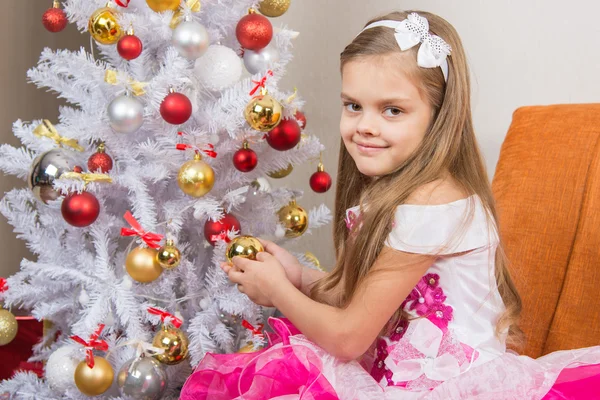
x: 292, y: 367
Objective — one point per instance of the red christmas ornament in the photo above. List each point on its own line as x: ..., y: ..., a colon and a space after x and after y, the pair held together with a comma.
x: 100, y: 161
x: 320, y: 181
x: 176, y: 108
x: 54, y: 19
x: 254, y: 31
x: 218, y: 230
x: 245, y: 159
x: 285, y: 136
x: 80, y: 209
x: 130, y: 46
x: 301, y: 118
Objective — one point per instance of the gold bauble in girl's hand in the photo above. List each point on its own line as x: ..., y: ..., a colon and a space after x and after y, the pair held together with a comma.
x: 273, y: 8
x: 243, y: 246
x: 263, y: 113
x: 142, y: 265
x: 281, y: 173
x: 249, y: 348
x: 8, y: 327
x: 94, y: 381
x: 196, y: 178
x: 104, y: 27
x: 168, y: 256
x: 163, y: 5
x: 175, y: 344
x: 294, y: 219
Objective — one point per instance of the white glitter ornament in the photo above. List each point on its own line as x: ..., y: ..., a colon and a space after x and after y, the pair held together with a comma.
x: 219, y: 68
x: 60, y: 369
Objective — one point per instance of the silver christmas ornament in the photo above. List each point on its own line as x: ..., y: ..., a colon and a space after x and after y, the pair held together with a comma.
x: 126, y: 114
x: 262, y: 60
x: 218, y: 68
x: 60, y: 369
x: 142, y: 378
x: 45, y: 169
x: 190, y: 39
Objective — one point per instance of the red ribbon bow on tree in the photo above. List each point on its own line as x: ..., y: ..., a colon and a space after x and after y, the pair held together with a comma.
x: 164, y: 315
x: 261, y: 83
x: 93, y: 344
x: 209, y: 150
x: 255, y: 331
x: 151, y: 239
x: 3, y: 285
x: 123, y: 3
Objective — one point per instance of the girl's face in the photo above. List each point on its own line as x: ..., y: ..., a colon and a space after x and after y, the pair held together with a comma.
x: 384, y: 117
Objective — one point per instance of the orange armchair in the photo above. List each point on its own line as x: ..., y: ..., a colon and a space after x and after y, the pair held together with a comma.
x: 547, y: 189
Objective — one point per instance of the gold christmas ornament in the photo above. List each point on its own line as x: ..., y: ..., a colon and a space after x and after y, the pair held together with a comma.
x: 263, y: 112
x: 163, y: 5
x: 104, y: 27
x: 142, y: 264
x: 273, y: 8
x: 249, y: 348
x: 281, y: 173
x: 94, y: 381
x: 243, y: 246
x: 8, y: 327
x: 196, y: 178
x: 294, y: 219
x: 175, y: 344
x: 168, y: 256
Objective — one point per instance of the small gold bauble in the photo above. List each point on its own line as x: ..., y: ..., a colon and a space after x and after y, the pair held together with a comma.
x: 142, y: 266
x: 104, y: 27
x: 243, y: 246
x: 94, y: 381
x: 163, y: 5
x: 168, y: 256
x: 294, y: 219
x: 273, y: 8
x: 263, y: 113
x: 249, y: 348
x: 196, y: 178
x: 281, y: 173
x: 8, y: 327
x: 175, y: 344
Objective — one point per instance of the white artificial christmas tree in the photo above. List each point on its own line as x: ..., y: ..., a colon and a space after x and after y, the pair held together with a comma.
x: 79, y: 280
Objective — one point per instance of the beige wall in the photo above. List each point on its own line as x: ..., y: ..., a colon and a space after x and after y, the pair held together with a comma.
x: 521, y: 52
x: 21, y: 43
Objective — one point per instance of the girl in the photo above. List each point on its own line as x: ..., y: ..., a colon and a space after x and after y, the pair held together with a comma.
x: 420, y: 303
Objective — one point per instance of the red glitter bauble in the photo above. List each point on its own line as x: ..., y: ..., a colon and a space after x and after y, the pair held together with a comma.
x: 80, y: 209
x: 100, y: 161
x: 214, y: 230
x: 254, y: 32
x: 176, y: 108
x: 245, y: 159
x: 130, y: 47
x: 320, y: 181
x: 285, y: 136
x: 54, y: 19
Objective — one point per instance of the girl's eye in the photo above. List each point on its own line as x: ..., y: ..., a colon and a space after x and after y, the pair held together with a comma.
x: 352, y: 107
x: 393, y: 111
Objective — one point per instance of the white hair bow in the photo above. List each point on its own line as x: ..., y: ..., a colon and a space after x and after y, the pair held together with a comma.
x: 415, y: 30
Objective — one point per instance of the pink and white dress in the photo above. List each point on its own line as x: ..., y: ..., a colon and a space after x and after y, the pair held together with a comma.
x: 447, y: 350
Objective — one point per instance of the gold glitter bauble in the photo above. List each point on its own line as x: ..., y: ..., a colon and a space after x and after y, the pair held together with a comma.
x: 103, y: 26
x: 142, y: 265
x: 94, y: 381
x: 263, y: 113
x: 273, y: 8
x: 175, y: 344
x: 163, y: 5
x: 196, y: 178
x: 8, y: 327
x: 243, y: 246
x: 168, y: 256
x: 294, y: 219
x: 281, y: 173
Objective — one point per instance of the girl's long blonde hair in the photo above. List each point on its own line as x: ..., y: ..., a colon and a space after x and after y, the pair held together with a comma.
x: 448, y: 145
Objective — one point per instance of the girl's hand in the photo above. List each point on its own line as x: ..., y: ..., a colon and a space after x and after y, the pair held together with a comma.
x: 256, y: 279
x: 291, y: 265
